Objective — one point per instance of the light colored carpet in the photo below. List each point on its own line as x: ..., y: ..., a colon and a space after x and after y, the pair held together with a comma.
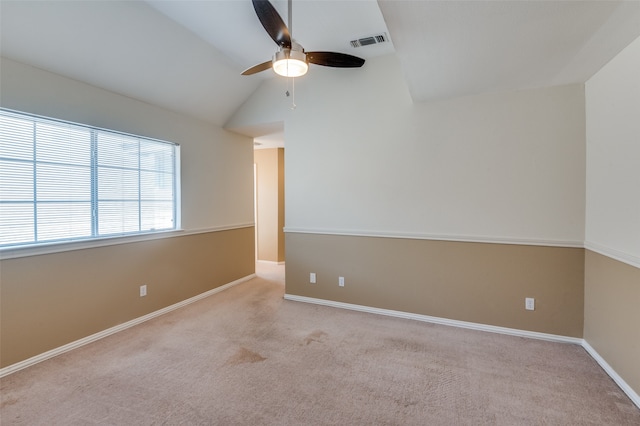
x: 245, y: 356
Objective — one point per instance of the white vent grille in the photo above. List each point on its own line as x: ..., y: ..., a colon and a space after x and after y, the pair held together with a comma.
x: 367, y: 41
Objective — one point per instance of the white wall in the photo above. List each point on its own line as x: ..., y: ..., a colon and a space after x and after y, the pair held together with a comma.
x: 613, y: 157
x: 361, y: 158
x: 217, y: 165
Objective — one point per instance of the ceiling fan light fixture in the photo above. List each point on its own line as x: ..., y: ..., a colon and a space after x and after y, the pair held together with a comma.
x: 291, y: 60
x: 290, y: 63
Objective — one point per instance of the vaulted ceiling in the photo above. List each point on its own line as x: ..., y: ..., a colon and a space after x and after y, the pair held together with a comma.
x: 187, y: 56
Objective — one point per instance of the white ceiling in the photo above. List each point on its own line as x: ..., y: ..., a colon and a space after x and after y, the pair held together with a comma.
x: 456, y: 48
x: 233, y: 28
x: 187, y: 56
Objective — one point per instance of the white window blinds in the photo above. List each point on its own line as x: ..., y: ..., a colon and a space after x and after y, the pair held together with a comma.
x: 61, y: 181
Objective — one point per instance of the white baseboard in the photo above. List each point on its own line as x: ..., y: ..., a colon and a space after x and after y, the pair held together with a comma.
x: 269, y: 262
x: 635, y: 398
x: 481, y: 327
x: 108, y: 332
x: 438, y: 320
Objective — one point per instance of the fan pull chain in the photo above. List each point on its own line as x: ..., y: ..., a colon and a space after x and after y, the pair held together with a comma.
x: 291, y: 81
x: 293, y: 90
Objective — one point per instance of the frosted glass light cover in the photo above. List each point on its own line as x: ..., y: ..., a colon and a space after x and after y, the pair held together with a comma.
x: 290, y: 63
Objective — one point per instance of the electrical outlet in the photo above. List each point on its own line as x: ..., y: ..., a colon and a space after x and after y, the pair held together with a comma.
x: 143, y: 290
x: 530, y: 304
x: 341, y: 281
x: 312, y: 277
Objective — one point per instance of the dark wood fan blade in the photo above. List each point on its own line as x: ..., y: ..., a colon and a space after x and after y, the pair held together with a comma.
x: 272, y: 22
x: 257, y: 68
x: 334, y: 59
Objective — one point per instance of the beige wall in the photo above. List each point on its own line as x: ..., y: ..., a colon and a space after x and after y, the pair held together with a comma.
x: 270, y: 204
x: 492, y: 168
x: 475, y: 282
x: 53, y: 299
x: 612, y: 288
x: 50, y: 300
x: 217, y: 168
x: 612, y: 314
x: 612, y: 98
x: 362, y: 158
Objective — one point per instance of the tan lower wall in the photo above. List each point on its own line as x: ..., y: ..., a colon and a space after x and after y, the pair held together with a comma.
x: 476, y: 282
x: 50, y: 300
x: 612, y: 314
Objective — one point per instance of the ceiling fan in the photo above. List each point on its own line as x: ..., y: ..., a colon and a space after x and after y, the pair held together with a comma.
x: 291, y: 60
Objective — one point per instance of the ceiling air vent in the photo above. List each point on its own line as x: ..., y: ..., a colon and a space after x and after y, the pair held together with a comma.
x: 366, y: 41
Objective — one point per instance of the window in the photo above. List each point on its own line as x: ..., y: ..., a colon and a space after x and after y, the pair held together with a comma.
x: 63, y: 182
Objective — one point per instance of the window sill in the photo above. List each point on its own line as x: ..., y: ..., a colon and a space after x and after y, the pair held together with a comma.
x: 58, y: 247
x: 62, y: 246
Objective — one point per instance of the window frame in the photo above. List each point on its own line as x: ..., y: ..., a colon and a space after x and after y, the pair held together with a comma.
x: 75, y: 243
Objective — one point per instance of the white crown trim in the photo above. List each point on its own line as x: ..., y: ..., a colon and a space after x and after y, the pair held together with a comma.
x: 439, y: 237
x: 618, y: 255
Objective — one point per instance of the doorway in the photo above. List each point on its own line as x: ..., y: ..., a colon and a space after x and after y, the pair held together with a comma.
x: 269, y: 205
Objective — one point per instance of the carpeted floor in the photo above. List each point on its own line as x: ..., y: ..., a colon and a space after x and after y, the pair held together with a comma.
x: 245, y: 356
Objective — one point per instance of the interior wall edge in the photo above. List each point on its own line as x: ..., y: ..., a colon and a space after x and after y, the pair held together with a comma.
x: 438, y: 237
